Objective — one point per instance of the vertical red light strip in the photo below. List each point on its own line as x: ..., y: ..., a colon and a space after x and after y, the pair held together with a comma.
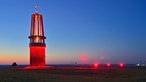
x: 37, y: 56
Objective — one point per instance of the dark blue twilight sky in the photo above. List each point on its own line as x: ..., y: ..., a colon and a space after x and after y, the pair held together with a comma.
x: 115, y: 29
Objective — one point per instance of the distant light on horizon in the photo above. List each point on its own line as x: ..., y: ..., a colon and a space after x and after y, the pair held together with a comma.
x: 96, y: 64
x: 108, y: 64
x: 102, y: 57
x: 83, y: 59
x: 121, y: 64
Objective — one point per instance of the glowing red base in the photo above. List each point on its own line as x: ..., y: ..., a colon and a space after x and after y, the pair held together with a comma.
x: 37, y: 67
x: 37, y: 56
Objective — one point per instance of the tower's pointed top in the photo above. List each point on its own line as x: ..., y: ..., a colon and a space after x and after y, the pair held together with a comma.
x: 36, y: 8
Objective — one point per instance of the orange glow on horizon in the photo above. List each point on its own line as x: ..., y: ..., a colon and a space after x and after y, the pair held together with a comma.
x: 8, y: 60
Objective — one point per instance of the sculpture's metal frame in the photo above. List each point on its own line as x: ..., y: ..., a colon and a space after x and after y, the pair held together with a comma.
x: 37, y: 43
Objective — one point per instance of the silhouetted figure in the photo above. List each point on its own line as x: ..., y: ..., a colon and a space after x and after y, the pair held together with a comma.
x: 14, y: 64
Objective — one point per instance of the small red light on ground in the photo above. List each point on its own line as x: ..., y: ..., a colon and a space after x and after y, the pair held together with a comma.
x: 121, y: 64
x: 95, y: 65
x: 108, y: 65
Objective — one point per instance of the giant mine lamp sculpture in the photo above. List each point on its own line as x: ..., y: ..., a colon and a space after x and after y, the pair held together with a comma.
x: 37, y: 43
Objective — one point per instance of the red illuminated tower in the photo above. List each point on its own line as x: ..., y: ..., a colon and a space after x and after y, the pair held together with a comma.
x: 37, y: 43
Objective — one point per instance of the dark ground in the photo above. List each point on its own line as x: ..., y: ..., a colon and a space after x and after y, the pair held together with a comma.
x: 73, y: 74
